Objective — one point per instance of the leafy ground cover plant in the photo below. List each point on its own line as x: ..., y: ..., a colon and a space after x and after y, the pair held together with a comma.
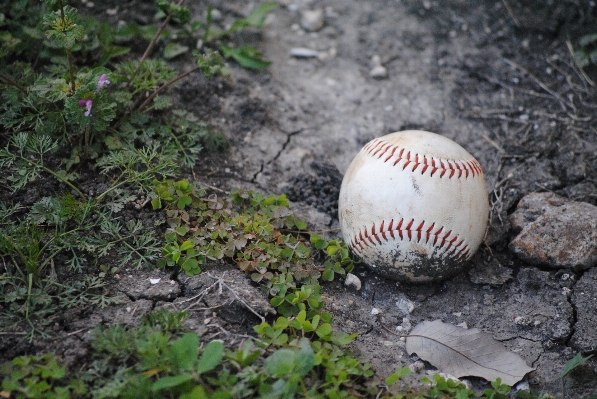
x: 159, y: 359
x: 69, y: 98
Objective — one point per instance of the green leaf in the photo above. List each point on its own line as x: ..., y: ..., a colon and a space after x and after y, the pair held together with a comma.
x: 183, y: 351
x: 246, y: 56
x: 257, y: 16
x: 173, y: 50
x: 190, y: 266
x: 197, y: 392
x: 156, y: 204
x: 573, y: 363
x: 332, y: 249
x: 319, y: 242
x: 280, y: 363
x: 186, y: 245
x: 342, y: 338
x: 210, y: 358
x: 399, y: 373
x: 328, y: 275
x: 170, y: 382
x: 588, y: 39
x: 276, y: 301
x: 305, y: 359
x: 323, y: 330
x: 300, y: 224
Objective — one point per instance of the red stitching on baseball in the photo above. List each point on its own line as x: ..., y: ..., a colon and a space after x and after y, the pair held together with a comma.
x: 378, y: 148
x: 453, y: 245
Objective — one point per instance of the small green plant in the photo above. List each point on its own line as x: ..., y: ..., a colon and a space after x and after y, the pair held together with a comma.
x: 570, y: 366
x: 69, y: 99
x: 38, y: 377
x: 587, y: 53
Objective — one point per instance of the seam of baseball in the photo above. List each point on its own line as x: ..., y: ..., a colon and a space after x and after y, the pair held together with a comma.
x: 455, y: 247
x: 378, y: 148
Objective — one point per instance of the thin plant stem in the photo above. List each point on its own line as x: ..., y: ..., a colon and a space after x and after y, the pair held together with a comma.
x: 165, y: 85
x: 69, y: 55
x: 13, y: 82
x: 57, y: 176
x: 152, y: 43
x: 71, y: 71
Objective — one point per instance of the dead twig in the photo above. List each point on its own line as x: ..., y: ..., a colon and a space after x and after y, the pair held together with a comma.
x: 152, y: 43
x: 539, y: 82
x: 509, y: 9
x: 197, y: 297
x: 78, y: 331
x: 582, y: 72
x: 493, y: 143
x: 222, y: 329
x: 238, y: 298
x: 392, y: 332
x: 14, y: 83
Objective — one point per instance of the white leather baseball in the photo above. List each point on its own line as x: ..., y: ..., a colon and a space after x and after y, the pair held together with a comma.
x: 413, y: 205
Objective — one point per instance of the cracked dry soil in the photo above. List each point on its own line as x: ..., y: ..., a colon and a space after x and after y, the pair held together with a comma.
x: 495, y: 76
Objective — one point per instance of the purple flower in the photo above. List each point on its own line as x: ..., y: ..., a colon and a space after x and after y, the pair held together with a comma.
x: 102, y: 81
x: 88, y: 104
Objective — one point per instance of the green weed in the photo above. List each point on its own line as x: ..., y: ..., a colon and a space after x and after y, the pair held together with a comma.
x: 69, y: 98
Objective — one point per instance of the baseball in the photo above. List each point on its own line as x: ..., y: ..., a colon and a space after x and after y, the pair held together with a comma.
x: 413, y: 205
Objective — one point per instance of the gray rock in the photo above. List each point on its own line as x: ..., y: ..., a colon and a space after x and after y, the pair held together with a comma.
x: 312, y: 20
x: 555, y: 232
x: 584, y: 299
x: 352, y: 281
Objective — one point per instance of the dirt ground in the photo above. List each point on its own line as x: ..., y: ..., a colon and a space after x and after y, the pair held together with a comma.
x: 495, y: 76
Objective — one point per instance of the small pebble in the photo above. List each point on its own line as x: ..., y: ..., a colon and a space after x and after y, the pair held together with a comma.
x: 463, y: 325
x: 406, y: 306
x: 522, y: 386
x: 312, y: 20
x: 154, y: 281
x: 417, y: 366
x: 375, y: 311
x: 301, y: 52
x: 216, y: 15
x: 379, y: 72
x: 352, y: 281
x: 375, y: 61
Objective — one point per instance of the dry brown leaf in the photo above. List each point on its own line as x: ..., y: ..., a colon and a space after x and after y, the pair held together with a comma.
x: 461, y: 352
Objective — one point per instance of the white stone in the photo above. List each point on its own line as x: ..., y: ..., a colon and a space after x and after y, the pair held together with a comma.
x: 352, y: 281
x: 463, y: 325
x: 154, y: 281
x: 522, y: 386
x: 405, y: 305
x: 301, y: 52
x: 375, y: 61
x: 379, y: 72
x: 416, y: 366
x: 312, y: 20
